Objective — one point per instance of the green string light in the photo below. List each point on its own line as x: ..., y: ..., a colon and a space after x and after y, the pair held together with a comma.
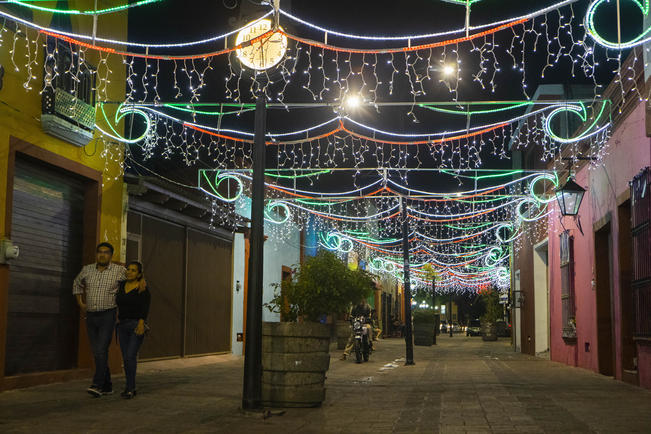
x: 476, y: 112
x: 87, y: 12
x: 186, y: 108
x: 304, y: 175
x: 480, y: 177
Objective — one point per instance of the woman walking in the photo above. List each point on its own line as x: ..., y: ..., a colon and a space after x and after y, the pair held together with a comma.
x: 133, y: 308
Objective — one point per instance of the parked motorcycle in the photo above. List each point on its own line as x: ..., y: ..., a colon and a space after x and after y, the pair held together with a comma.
x: 361, y: 335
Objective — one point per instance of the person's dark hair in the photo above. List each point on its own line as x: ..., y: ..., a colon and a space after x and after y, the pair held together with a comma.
x: 105, y: 244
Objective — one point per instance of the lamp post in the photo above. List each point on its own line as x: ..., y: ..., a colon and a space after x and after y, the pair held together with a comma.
x: 569, y: 197
x: 409, y: 340
x: 252, y: 389
x: 450, y: 315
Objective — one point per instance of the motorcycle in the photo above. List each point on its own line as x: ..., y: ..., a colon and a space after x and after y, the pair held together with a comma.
x: 362, y: 344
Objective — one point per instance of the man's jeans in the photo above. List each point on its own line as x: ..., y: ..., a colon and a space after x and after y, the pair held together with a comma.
x: 100, y: 327
x: 129, y: 344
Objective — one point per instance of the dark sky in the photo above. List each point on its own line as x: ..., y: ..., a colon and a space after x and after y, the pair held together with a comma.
x: 184, y: 20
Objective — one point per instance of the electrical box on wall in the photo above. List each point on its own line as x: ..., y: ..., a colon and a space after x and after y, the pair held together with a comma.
x: 8, y: 251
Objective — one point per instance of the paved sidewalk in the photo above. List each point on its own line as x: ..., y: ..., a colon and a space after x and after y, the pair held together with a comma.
x: 461, y: 385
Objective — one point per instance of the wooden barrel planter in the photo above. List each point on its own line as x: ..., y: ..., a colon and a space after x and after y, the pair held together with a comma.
x: 423, y: 327
x: 295, y: 358
x: 488, y: 331
x: 424, y: 333
x: 343, y: 333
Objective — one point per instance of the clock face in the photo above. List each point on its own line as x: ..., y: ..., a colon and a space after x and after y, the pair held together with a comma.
x: 262, y: 54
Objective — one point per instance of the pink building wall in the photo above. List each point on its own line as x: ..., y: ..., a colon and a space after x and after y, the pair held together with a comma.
x: 628, y: 151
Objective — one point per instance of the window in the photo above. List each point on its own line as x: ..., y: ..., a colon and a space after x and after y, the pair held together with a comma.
x: 69, y: 92
x: 69, y: 71
x: 567, y: 286
x: 641, y: 233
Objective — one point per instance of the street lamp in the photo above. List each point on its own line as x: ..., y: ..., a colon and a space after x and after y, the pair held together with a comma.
x: 569, y: 197
x: 448, y: 70
x: 352, y: 102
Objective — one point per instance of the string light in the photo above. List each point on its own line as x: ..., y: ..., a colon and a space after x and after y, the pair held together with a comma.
x: 87, y: 12
x: 640, y: 39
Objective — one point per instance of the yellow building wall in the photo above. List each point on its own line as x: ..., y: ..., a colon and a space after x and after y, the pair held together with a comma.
x: 20, y: 112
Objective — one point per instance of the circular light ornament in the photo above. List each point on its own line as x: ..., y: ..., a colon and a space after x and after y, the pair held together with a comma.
x: 271, y: 212
x: 122, y: 111
x: 580, y: 111
x: 530, y: 215
x: 494, y: 256
x: 264, y: 53
x: 640, y: 39
x: 552, y: 177
x: 512, y: 234
x: 221, y: 177
x: 389, y: 266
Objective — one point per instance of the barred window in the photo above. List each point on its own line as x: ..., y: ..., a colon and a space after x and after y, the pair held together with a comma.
x: 641, y: 233
x: 69, y: 71
x: 567, y: 286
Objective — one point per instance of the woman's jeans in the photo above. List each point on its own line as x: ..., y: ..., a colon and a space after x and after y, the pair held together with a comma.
x: 129, y: 344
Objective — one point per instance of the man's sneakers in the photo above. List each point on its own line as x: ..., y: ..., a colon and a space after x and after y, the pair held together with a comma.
x: 96, y: 391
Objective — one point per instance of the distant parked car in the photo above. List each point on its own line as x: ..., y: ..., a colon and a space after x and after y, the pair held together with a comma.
x: 503, y: 329
x: 474, y: 328
x: 444, y: 327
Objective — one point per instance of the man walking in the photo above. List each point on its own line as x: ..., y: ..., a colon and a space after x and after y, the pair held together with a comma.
x: 99, y: 283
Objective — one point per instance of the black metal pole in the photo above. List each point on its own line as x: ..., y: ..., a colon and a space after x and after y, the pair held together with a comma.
x: 252, y: 391
x: 450, y: 314
x: 409, y: 341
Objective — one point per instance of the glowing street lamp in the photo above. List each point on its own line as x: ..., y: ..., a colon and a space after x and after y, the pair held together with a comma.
x: 352, y: 102
x: 448, y: 70
x: 569, y: 197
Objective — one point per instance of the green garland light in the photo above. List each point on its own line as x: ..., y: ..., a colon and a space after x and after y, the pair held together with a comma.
x: 579, y: 110
x: 78, y: 12
x: 120, y: 113
x: 476, y: 112
x: 304, y: 175
x: 270, y: 215
x: 219, y: 178
x: 640, y: 39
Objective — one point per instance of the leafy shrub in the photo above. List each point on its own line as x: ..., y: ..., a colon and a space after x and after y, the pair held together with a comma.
x: 493, y: 309
x: 322, y: 285
x: 423, y: 315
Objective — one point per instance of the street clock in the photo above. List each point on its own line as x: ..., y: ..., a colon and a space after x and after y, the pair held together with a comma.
x: 262, y: 54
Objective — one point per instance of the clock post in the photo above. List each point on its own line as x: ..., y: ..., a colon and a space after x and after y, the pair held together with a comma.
x: 252, y: 391
x: 260, y: 55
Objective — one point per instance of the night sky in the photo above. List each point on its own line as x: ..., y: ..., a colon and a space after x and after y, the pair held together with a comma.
x: 178, y: 20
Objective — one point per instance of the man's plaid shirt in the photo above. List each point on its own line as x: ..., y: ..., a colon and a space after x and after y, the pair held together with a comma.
x: 100, y: 287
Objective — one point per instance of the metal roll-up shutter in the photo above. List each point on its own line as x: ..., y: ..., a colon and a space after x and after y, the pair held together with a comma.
x: 162, y: 252
x: 47, y: 225
x: 208, y: 323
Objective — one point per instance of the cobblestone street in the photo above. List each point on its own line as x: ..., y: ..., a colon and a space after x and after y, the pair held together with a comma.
x: 460, y: 385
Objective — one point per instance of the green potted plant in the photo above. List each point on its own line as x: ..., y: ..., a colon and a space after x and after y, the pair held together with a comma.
x: 295, y: 353
x: 492, y: 315
x: 424, y: 326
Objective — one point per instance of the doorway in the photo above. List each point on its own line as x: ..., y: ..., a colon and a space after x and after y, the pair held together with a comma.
x: 603, y: 277
x: 541, y: 299
x: 47, y: 223
x: 628, y: 369
x: 517, y: 327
